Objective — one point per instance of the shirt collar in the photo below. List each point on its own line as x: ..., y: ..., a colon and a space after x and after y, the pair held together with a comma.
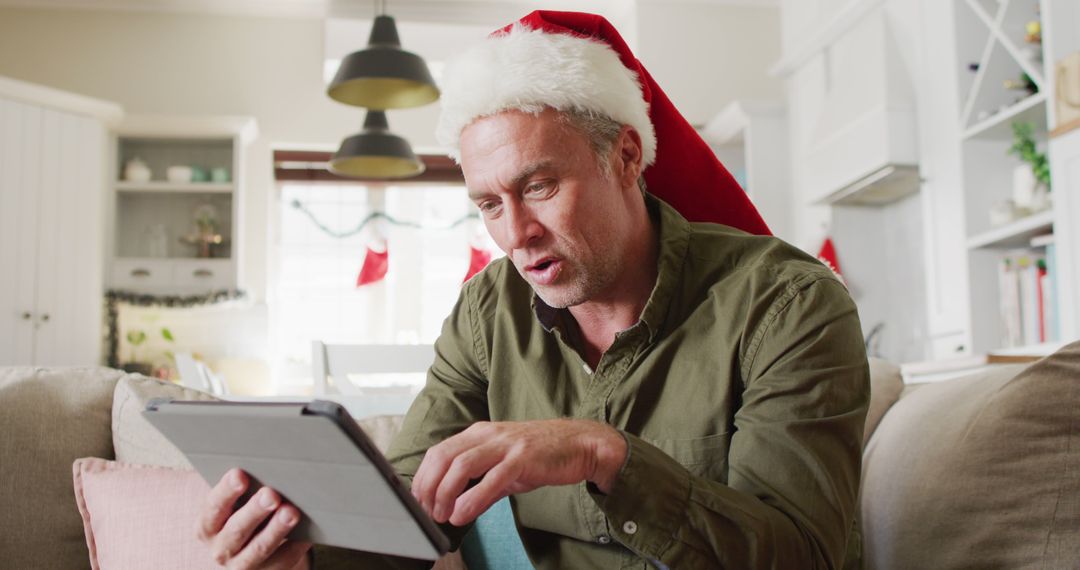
x: 674, y: 239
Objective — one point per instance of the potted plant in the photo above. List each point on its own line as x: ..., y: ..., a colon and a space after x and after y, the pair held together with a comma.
x: 1031, y: 180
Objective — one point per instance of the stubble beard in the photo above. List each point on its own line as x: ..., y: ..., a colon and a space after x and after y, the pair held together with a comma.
x: 585, y: 279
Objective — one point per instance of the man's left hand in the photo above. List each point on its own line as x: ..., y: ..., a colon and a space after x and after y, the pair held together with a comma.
x: 514, y: 457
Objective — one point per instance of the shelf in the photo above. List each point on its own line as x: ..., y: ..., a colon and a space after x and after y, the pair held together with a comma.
x: 999, y: 125
x: 176, y: 187
x: 171, y: 258
x: 1032, y: 350
x: 1065, y: 128
x: 1014, y: 234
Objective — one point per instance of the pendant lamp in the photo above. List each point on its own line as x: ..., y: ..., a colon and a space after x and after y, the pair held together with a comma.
x: 383, y: 76
x: 375, y: 152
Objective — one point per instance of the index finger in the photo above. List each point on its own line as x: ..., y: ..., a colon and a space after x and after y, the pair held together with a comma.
x: 437, y: 461
x: 220, y: 503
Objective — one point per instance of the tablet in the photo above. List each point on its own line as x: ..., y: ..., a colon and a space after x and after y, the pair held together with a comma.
x: 317, y: 457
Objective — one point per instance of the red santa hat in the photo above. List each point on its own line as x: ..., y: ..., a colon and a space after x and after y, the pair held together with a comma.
x: 575, y: 61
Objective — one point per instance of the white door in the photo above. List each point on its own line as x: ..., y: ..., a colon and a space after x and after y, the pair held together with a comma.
x: 70, y: 247
x: 20, y: 159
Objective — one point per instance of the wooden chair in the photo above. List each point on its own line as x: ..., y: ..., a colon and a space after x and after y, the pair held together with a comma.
x: 333, y: 363
x: 196, y: 375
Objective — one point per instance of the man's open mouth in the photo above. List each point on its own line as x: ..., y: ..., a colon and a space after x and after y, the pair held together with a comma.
x: 545, y: 271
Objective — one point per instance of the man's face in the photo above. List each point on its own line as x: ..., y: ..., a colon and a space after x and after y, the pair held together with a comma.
x: 547, y: 204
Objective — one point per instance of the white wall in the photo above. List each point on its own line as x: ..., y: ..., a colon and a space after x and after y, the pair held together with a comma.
x: 880, y: 252
x: 706, y: 55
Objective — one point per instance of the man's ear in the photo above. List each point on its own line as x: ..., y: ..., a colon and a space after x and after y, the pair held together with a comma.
x: 628, y: 167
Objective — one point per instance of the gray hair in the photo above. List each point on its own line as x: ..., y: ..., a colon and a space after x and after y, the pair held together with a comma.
x: 600, y: 130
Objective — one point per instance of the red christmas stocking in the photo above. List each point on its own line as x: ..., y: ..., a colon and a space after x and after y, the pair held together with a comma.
x: 827, y: 255
x: 375, y: 265
x: 478, y: 260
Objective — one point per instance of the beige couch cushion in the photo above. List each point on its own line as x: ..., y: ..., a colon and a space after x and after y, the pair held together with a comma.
x: 885, y: 387
x: 134, y: 439
x: 979, y: 472
x: 48, y: 418
x: 381, y: 429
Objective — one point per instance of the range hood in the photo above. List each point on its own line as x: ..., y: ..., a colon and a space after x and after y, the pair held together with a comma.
x: 861, y: 146
x: 879, y: 188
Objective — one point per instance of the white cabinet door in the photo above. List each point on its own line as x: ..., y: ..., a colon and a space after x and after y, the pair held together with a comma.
x: 19, y: 182
x: 51, y: 236
x: 70, y: 244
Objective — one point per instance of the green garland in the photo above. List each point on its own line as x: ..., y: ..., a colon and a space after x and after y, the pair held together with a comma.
x: 114, y: 297
x: 297, y: 204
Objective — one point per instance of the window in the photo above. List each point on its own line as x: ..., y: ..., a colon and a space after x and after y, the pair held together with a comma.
x: 314, y: 294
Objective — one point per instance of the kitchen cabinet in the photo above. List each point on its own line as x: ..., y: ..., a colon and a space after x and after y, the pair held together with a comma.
x: 53, y: 155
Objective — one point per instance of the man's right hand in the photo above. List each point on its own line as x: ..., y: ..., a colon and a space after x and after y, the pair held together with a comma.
x: 238, y: 538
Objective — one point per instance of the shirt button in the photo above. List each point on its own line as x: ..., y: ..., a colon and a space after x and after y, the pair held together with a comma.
x: 603, y: 539
x: 629, y: 527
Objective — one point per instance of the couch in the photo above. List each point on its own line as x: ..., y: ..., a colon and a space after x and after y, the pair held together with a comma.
x: 981, y: 472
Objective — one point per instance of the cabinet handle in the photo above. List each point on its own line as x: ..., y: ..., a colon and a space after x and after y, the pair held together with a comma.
x: 27, y: 315
x: 140, y: 273
x: 45, y: 318
x: 202, y: 273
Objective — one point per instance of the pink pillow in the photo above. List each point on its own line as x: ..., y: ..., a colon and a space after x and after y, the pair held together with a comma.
x: 140, y: 516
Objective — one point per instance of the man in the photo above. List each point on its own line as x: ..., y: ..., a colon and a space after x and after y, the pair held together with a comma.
x: 649, y: 391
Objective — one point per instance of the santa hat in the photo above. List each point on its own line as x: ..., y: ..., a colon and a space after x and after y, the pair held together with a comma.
x: 575, y: 61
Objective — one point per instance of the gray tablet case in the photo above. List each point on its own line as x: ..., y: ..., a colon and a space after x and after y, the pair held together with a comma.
x: 318, y: 458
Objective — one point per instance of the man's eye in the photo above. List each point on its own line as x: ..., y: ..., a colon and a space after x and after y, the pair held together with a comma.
x: 489, y: 207
x: 539, y: 188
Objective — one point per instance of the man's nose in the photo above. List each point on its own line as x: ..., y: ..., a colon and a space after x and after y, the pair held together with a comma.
x: 522, y: 226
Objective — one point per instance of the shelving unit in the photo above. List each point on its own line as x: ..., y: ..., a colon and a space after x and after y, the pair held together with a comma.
x: 991, y: 49
x: 154, y: 221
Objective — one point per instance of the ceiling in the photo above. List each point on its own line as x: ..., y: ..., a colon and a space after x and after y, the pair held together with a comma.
x: 443, y: 11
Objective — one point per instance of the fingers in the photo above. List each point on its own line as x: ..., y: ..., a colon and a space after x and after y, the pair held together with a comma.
x: 240, y: 527
x: 437, y: 462
x: 494, y: 486
x: 231, y: 535
x: 219, y: 504
x: 468, y: 465
x: 268, y: 548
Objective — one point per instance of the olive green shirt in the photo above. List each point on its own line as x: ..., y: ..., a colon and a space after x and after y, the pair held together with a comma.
x: 741, y: 392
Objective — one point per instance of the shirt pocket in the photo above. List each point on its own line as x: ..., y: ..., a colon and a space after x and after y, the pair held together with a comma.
x: 703, y: 456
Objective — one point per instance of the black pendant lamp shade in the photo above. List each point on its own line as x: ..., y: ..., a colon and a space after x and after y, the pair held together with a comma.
x: 383, y: 76
x: 375, y: 153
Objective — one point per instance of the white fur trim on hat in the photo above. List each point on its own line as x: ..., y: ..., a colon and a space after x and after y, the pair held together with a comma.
x: 528, y: 70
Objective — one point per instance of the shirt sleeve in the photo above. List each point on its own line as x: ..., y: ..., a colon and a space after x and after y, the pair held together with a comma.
x: 794, y: 460
x: 453, y: 398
